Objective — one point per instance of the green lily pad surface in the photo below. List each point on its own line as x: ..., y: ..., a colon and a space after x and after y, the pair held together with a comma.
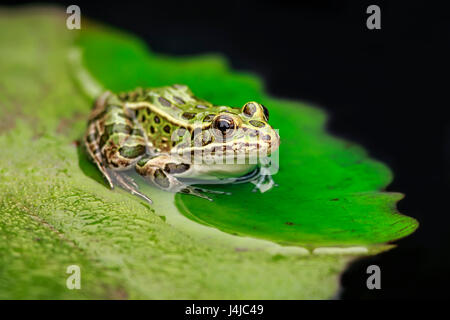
x: 56, y: 211
x: 328, y: 190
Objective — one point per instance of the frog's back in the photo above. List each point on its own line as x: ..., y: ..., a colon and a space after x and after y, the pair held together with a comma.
x: 177, y: 101
x: 173, y: 105
x: 162, y: 111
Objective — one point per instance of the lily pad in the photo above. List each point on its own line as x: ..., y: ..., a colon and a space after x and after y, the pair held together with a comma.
x: 329, y: 190
x: 55, y: 211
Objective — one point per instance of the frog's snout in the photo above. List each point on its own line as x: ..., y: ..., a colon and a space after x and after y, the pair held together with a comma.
x: 275, y: 140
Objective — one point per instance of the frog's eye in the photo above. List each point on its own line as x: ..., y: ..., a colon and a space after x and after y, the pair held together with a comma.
x: 225, y: 124
x: 266, y: 112
x: 249, y: 109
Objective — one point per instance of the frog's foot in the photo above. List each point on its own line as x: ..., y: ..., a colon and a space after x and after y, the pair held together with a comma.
x: 199, y: 192
x: 211, y: 191
x: 263, y: 183
x: 128, y: 184
x: 130, y: 181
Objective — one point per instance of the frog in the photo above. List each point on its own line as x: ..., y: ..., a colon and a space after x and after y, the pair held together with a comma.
x: 175, y: 140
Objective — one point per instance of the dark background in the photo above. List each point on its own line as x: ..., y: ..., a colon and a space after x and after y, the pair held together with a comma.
x: 385, y: 89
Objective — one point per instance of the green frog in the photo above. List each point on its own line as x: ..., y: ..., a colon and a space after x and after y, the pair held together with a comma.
x: 174, y: 140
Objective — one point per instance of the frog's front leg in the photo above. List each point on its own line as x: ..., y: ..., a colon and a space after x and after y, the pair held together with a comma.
x: 264, y: 182
x: 160, y: 170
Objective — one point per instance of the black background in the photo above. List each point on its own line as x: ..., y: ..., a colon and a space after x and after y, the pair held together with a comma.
x: 386, y: 89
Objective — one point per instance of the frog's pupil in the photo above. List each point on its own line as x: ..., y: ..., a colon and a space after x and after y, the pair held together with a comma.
x: 224, y: 124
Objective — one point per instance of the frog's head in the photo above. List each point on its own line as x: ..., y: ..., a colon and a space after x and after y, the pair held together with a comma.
x: 253, y: 128
x: 236, y: 131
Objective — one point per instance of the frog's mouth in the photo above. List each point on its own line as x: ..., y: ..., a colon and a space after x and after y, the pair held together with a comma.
x: 237, y: 148
x: 231, y: 153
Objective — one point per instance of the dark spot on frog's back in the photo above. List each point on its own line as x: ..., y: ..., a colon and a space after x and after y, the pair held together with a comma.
x: 176, y: 168
x: 157, y: 119
x: 257, y: 123
x: 178, y: 100
x: 164, y: 102
x: 209, y: 118
x: 188, y: 115
x: 143, y: 117
x: 166, y: 128
x: 161, y: 178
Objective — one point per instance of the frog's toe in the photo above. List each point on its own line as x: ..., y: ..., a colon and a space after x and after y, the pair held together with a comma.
x: 263, y: 184
x: 212, y: 191
x: 143, y: 196
x: 128, y: 184
x: 195, y: 192
x: 131, y: 181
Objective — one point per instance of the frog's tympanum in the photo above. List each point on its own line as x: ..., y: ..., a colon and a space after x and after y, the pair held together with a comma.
x: 171, y: 138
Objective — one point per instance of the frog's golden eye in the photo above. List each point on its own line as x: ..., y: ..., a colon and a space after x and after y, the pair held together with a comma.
x: 225, y: 124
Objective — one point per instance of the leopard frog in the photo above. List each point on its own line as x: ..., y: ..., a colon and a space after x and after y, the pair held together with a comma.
x: 172, y: 139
